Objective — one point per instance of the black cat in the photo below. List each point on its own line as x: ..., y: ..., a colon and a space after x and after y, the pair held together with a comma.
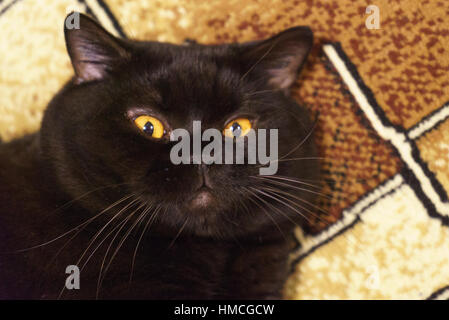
x: 95, y: 187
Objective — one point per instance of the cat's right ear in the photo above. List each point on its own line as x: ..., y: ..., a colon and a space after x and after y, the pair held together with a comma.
x: 94, y: 52
x: 277, y: 60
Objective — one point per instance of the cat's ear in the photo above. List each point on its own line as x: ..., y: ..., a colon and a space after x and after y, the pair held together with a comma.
x: 279, y: 59
x: 93, y: 51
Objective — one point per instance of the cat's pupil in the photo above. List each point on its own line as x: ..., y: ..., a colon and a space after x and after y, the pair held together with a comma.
x: 148, y: 128
x: 236, y: 130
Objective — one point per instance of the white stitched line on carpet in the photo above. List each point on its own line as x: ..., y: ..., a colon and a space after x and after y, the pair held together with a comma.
x: 397, y: 139
x: 348, y: 216
x: 102, y: 16
x: 428, y: 124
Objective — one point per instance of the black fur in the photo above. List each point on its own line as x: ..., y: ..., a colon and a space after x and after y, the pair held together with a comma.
x: 89, y: 154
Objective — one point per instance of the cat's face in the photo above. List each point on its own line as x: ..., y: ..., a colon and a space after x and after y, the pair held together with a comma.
x: 91, y: 136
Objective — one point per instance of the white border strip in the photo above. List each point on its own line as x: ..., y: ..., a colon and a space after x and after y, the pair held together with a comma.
x: 426, y: 125
x: 397, y: 139
x: 102, y: 17
x: 348, y: 216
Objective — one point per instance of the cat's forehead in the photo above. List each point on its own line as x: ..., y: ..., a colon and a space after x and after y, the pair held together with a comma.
x: 186, y: 84
x: 196, y: 82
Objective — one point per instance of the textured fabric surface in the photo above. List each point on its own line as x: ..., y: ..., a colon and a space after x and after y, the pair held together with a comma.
x: 383, y: 121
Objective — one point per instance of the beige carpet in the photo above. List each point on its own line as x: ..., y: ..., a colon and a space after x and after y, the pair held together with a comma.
x: 383, y: 126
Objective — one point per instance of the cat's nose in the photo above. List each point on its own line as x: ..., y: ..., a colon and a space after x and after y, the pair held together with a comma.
x: 204, y: 180
x: 203, y: 196
x: 204, y: 176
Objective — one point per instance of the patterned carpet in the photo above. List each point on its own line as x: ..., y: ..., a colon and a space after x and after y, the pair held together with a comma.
x: 382, y: 97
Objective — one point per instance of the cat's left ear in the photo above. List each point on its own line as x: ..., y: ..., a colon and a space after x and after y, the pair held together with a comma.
x: 94, y: 52
x: 279, y: 59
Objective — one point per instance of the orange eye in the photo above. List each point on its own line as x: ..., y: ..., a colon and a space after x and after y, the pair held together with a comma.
x: 150, y: 126
x: 237, y: 128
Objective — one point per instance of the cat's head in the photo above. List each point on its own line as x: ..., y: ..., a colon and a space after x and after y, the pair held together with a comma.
x: 108, y: 129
